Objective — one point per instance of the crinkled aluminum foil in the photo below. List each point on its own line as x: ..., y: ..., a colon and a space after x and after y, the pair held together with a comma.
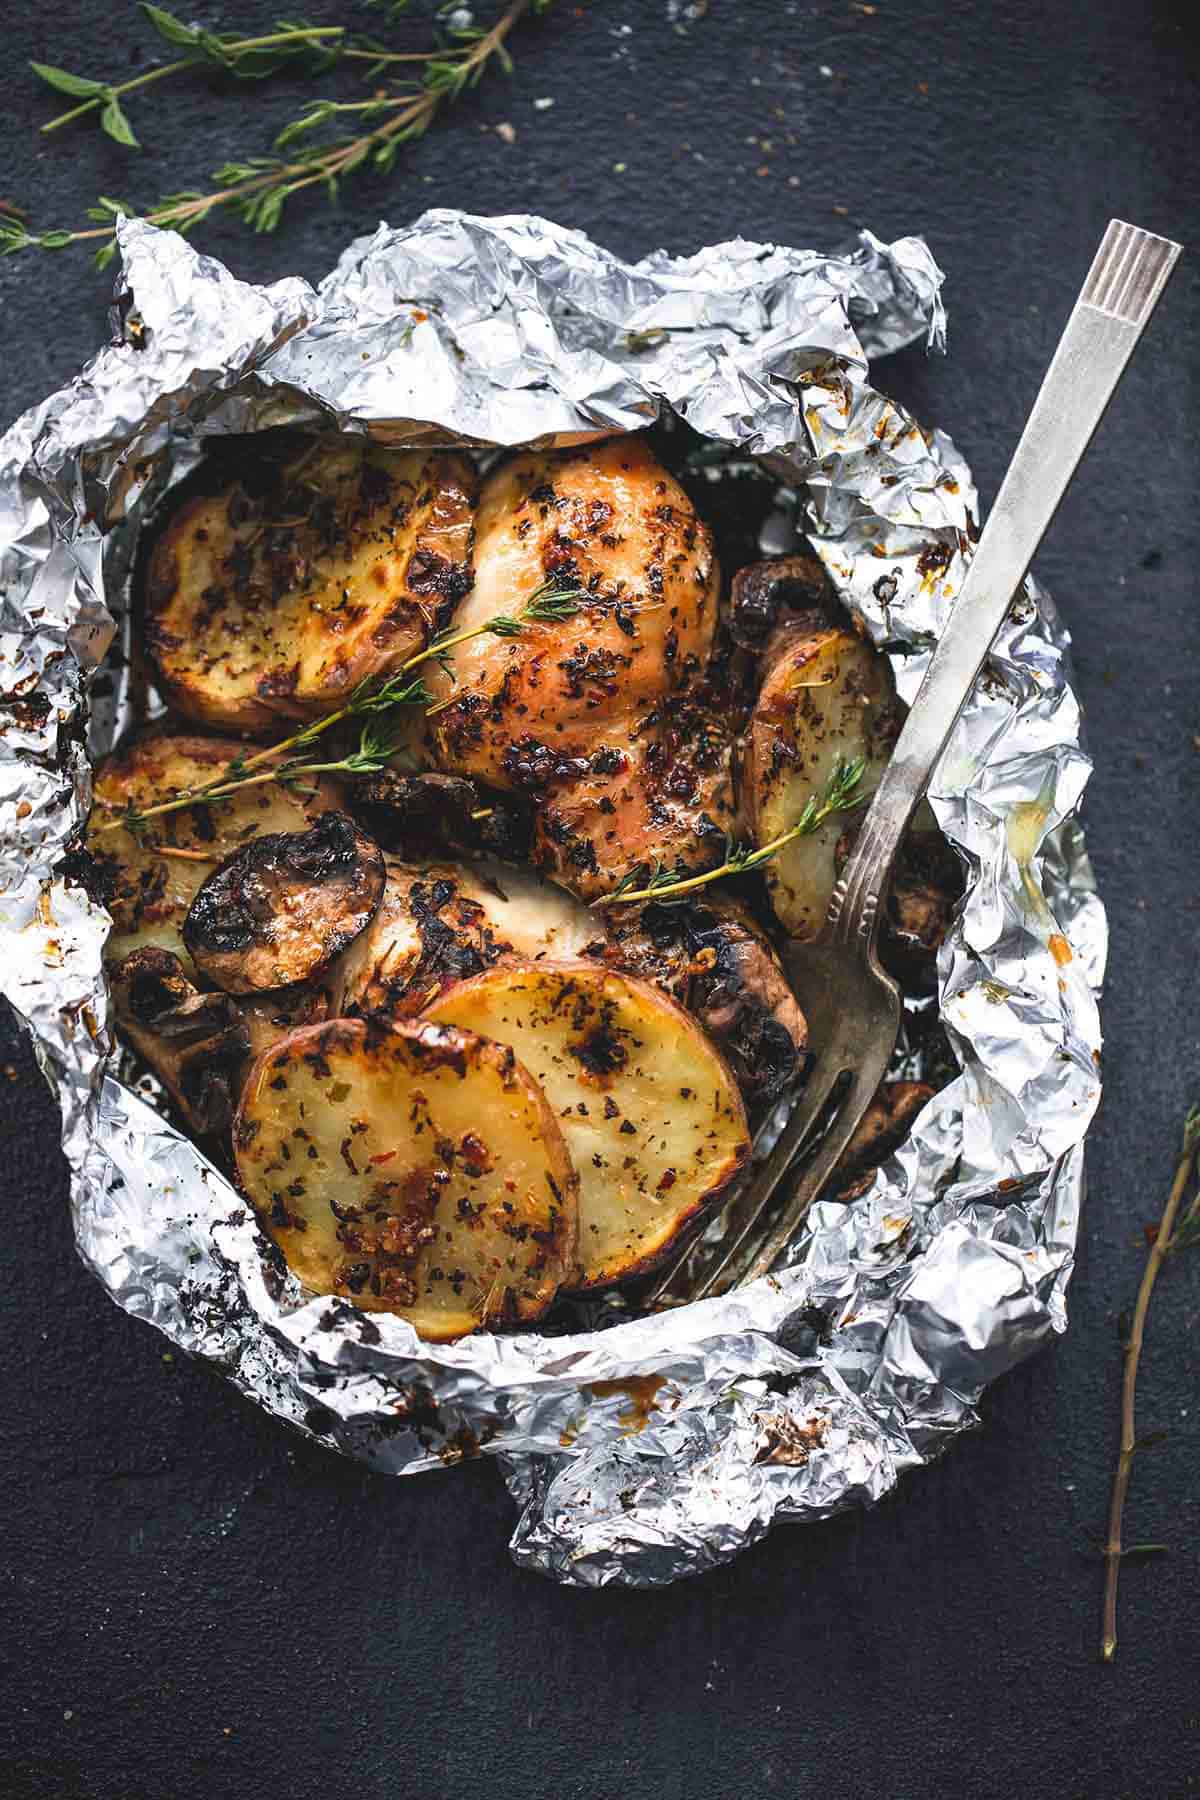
x: 655, y: 1447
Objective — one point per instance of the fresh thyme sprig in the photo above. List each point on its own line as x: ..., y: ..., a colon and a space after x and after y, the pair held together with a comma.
x: 369, y: 699
x: 1168, y: 1238
x: 315, y: 48
x: 256, y: 188
x: 545, y: 605
x: 840, y: 795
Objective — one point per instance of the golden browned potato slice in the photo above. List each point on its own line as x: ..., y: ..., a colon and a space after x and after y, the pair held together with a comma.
x: 274, y: 606
x: 280, y: 909
x: 827, y: 696
x: 412, y: 1169
x: 648, y: 1107
x: 148, y: 881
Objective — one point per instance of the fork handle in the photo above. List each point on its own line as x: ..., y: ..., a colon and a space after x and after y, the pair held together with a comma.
x: 1122, y: 288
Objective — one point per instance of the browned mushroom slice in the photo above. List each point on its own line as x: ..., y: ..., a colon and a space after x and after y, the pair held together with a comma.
x: 927, y: 884
x: 881, y: 1130
x: 413, y: 816
x: 197, y: 1044
x: 781, y: 591
x: 280, y: 909
x: 147, y: 875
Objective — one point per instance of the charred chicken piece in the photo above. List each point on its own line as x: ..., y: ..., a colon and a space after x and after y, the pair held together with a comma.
x: 784, y: 590
x: 599, y: 720
x: 271, y: 605
x: 412, y: 816
x: 197, y: 1044
x: 282, y: 908
x: 718, y: 964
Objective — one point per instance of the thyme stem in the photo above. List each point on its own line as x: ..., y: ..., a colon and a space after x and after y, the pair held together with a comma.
x: 840, y: 795
x: 544, y: 604
x: 1159, y: 1250
x: 300, y: 35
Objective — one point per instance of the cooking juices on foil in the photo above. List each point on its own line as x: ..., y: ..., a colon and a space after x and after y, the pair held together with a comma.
x: 639, y: 1449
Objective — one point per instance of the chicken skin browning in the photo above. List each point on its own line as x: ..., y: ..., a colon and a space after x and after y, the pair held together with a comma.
x: 602, y: 719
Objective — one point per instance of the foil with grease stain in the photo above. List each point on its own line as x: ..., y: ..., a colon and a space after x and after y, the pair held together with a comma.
x: 638, y: 1449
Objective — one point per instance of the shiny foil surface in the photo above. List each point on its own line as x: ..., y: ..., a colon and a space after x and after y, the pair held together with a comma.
x: 638, y: 1450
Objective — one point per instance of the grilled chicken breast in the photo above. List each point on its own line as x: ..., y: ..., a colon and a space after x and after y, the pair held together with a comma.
x: 602, y: 718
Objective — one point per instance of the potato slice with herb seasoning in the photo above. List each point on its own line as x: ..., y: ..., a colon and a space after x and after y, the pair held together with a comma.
x: 827, y: 697
x: 649, y: 1109
x: 268, y: 606
x: 149, y: 878
x: 413, y: 1169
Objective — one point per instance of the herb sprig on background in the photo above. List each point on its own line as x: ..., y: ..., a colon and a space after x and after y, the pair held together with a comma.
x: 1174, y: 1233
x: 257, y: 188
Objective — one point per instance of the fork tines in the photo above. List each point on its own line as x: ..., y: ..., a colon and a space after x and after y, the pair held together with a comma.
x: 1128, y: 273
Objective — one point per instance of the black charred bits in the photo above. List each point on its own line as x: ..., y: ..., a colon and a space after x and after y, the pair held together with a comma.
x: 284, y: 905
x: 534, y: 766
x: 428, y: 573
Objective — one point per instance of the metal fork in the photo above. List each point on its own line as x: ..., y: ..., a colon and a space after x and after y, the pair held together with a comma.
x: 852, y: 1006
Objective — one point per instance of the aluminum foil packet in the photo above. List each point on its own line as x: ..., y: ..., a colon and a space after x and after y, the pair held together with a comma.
x: 638, y: 1449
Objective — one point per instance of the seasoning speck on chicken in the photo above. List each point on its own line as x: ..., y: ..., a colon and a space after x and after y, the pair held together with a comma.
x: 280, y: 909
x: 272, y: 605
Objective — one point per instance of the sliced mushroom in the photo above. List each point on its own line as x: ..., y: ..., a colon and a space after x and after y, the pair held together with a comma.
x: 283, y: 906
x: 716, y: 961
x: 882, y: 1129
x: 412, y: 815
x: 927, y: 884
x: 781, y: 591
x: 197, y: 1044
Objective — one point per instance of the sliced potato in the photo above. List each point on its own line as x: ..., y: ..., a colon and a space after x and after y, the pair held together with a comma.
x: 149, y: 881
x: 412, y: 1169
x: 649, y: 1109
x: 827, y: 695
x: 280, y: 909
x: 275, y: 605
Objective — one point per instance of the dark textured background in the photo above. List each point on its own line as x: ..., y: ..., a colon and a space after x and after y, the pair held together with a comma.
x: 197, y: 1604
